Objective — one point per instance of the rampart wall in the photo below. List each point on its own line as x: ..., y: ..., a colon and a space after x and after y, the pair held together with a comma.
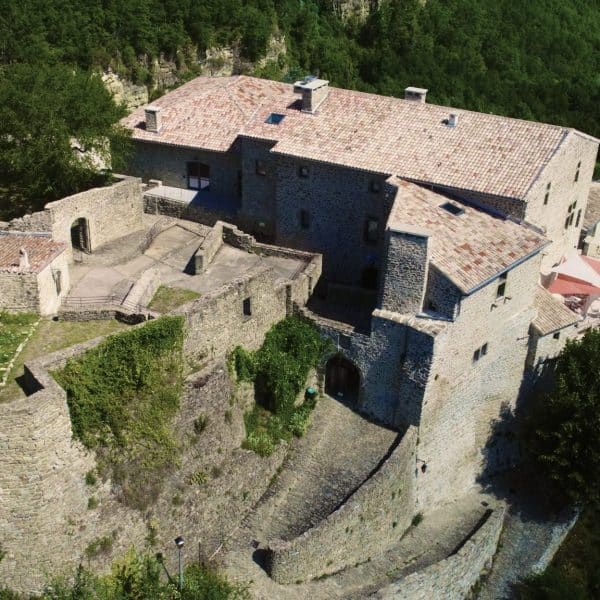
x: 111, y: 212
x: 374, y: 517
x: 454, y: 577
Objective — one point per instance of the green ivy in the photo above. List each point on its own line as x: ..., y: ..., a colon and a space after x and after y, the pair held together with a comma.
x: 279, y: 370
x: 122, y: 396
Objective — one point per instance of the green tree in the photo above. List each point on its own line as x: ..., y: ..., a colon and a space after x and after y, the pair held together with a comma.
x: 564, y: 424
x: 58, y: 124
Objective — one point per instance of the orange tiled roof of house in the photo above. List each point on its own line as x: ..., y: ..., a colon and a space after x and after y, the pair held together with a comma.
x: 552, y: 313
x: 483, y: 153
x: 470, y: 247
x: 41, y: 250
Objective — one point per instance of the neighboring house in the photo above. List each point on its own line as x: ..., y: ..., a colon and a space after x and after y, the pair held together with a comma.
x: 34, y: 272
x: 590, y: 231
x: 445, y: 217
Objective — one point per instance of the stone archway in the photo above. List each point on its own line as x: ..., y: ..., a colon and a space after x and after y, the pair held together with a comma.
x: 80, y: 235
x: 342, y: 379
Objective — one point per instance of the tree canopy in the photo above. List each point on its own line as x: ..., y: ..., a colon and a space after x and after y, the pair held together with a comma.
x: 565, y: 423
x: 59, y: 124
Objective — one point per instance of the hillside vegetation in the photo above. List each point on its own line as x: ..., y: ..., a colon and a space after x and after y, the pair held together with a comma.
x: 536, y: 60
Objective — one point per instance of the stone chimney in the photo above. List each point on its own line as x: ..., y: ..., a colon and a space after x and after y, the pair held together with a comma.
x: 415, y: 94
x: 453, y: 120
x: 23, y: 259
x: 313, y: 90
x: 153, y: 119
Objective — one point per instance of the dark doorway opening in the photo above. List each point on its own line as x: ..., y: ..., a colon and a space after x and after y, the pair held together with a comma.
x: 80, y: 235
x: 369, y: 278
x: 342, y: 379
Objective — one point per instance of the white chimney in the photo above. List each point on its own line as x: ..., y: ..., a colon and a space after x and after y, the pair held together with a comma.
x: 23, y: 258
x: 153, y: 119
x: 453, y: 120
x: 313, y: 90
x: 415, y: 94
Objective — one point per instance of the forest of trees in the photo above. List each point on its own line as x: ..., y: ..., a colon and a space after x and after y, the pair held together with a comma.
x: 535, y: 60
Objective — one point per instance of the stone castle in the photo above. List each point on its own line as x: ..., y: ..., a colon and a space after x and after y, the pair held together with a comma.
x: 427, y: 235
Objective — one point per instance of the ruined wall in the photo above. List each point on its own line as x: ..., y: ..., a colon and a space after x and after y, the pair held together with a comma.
x: 454, y: 577
x: 169, y: 165
x: 374, y: 517
x: 564, y: 191
x: 465, y: 396
x: 337, y: 202
x: 47, y: 280
x: 19, y: 292
x: 111, y: 212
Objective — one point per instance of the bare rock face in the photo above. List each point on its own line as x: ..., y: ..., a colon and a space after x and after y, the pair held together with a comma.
x: 219, y: 62
x: 125, y: 91
x: 359, y: 9
x: 275, y: 48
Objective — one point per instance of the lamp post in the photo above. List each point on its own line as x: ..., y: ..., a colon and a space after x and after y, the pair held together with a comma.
x: 179, y: 543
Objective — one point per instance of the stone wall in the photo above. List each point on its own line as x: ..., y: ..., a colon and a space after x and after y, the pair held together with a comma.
x: 111, y: 212
x: 442, y: 297
x: 469, y: 398
x: 564, y: 191
x: 373, y: 518
x: 47, y: 281
x: 209, y: 247
x: 169, y: 165
x: 19, y: 292
x: 454, y: 577
x: 337, y: 203
x: 160, y: 205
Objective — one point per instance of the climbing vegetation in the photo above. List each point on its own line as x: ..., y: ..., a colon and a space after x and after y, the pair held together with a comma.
x: 122, y: 396
x: 279, y: 370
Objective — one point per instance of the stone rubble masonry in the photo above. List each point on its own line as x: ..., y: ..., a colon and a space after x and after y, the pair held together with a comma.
x: 208, y: 249
x: 405, y: 271
x: 371, y: 519
x: 454, y: 577
x: 143, y: 289
x: 111, y: 212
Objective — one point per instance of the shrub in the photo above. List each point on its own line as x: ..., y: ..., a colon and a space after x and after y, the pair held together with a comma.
x: 101, y: 545
x: 90, y: 478
x: 418, y: 518
x: 200, y: 423
x: 92, y: 503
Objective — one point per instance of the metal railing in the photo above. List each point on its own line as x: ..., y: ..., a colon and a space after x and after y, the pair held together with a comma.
x: 113, y: 301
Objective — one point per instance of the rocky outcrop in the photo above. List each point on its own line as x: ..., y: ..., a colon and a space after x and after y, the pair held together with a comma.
x: 124, y: 91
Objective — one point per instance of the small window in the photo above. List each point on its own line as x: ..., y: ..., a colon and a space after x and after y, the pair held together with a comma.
x: 578, y: 218
x: 572, y: 216
x: 556, y: 336
x: 577, y: 172
x: 247, y: 307
x: 547, y: 195
x: 484, y: 349
x: 371, y: 231
x: 476, y: 355
x: 58, y: 281
x: 452, y: 208
x: 303, y: 171
x: 374, y: 186
x: 261, y: 167
x: 480, y: 352
x: 239, y: 183
x: 567, y: 222
x: 501, y: 289
x: 304, y: 219
x: 274, y: 119
x: 198, y: 176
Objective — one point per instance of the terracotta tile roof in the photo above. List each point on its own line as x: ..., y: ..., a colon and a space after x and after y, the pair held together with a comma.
x: 552, y: 313
x: 592, y: 211
x: 41, y: 250
x: 469, y: 248
x: 484, y: 153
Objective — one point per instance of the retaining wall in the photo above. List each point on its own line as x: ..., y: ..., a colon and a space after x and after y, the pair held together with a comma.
x: 454, y: 577
x: 374, y: 517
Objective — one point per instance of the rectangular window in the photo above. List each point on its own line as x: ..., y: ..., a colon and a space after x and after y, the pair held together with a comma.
x: 501, y: 289
x: 476, y: 355
x: 261, y: 167
x: 556, y: 336
x: 567, y: 223
x: 198, y: 176
x: 247, y: 307
x: 374, y: 186
x: 547, y: 195
x: 239, y: 183
x: 578, y: 218
x: 577, y: 172
x: 484, y: 349
x: 303, y: 171
x: 371, y: 231
x: 480, y: 352
x: 57, y: 281
x: 304, y: 219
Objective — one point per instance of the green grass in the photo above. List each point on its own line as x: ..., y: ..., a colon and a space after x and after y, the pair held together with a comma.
x: 122, y: 396
x: 51, y: 336
x: 14, y: 328
x: 575, y: 570
x: 168, y: 298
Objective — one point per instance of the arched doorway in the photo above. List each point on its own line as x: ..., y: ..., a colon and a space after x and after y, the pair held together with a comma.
x: 80, y: 236
x: 342, y: 379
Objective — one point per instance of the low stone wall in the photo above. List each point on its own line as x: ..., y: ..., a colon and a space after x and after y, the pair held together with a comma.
x: 374, y: 517
x: 159, y: 205
x: 454, y: 577
x: 144, y: 288
x: 210, y: 246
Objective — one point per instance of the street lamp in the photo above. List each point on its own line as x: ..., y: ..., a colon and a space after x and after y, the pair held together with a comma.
x: 179, y: 543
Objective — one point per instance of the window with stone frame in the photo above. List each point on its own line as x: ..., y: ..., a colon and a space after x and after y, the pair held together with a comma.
x: 247, y: 307
x: 501, y: 289
x: 303, y: 171
x: 577, y: 172
x: 198, y: 175
x: 547, y: 194
x: 480, y: 352
x: 260, y: 167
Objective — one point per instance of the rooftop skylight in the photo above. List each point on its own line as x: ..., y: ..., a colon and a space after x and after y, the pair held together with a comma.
x: 452, y: 208
x: 274, y: 119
